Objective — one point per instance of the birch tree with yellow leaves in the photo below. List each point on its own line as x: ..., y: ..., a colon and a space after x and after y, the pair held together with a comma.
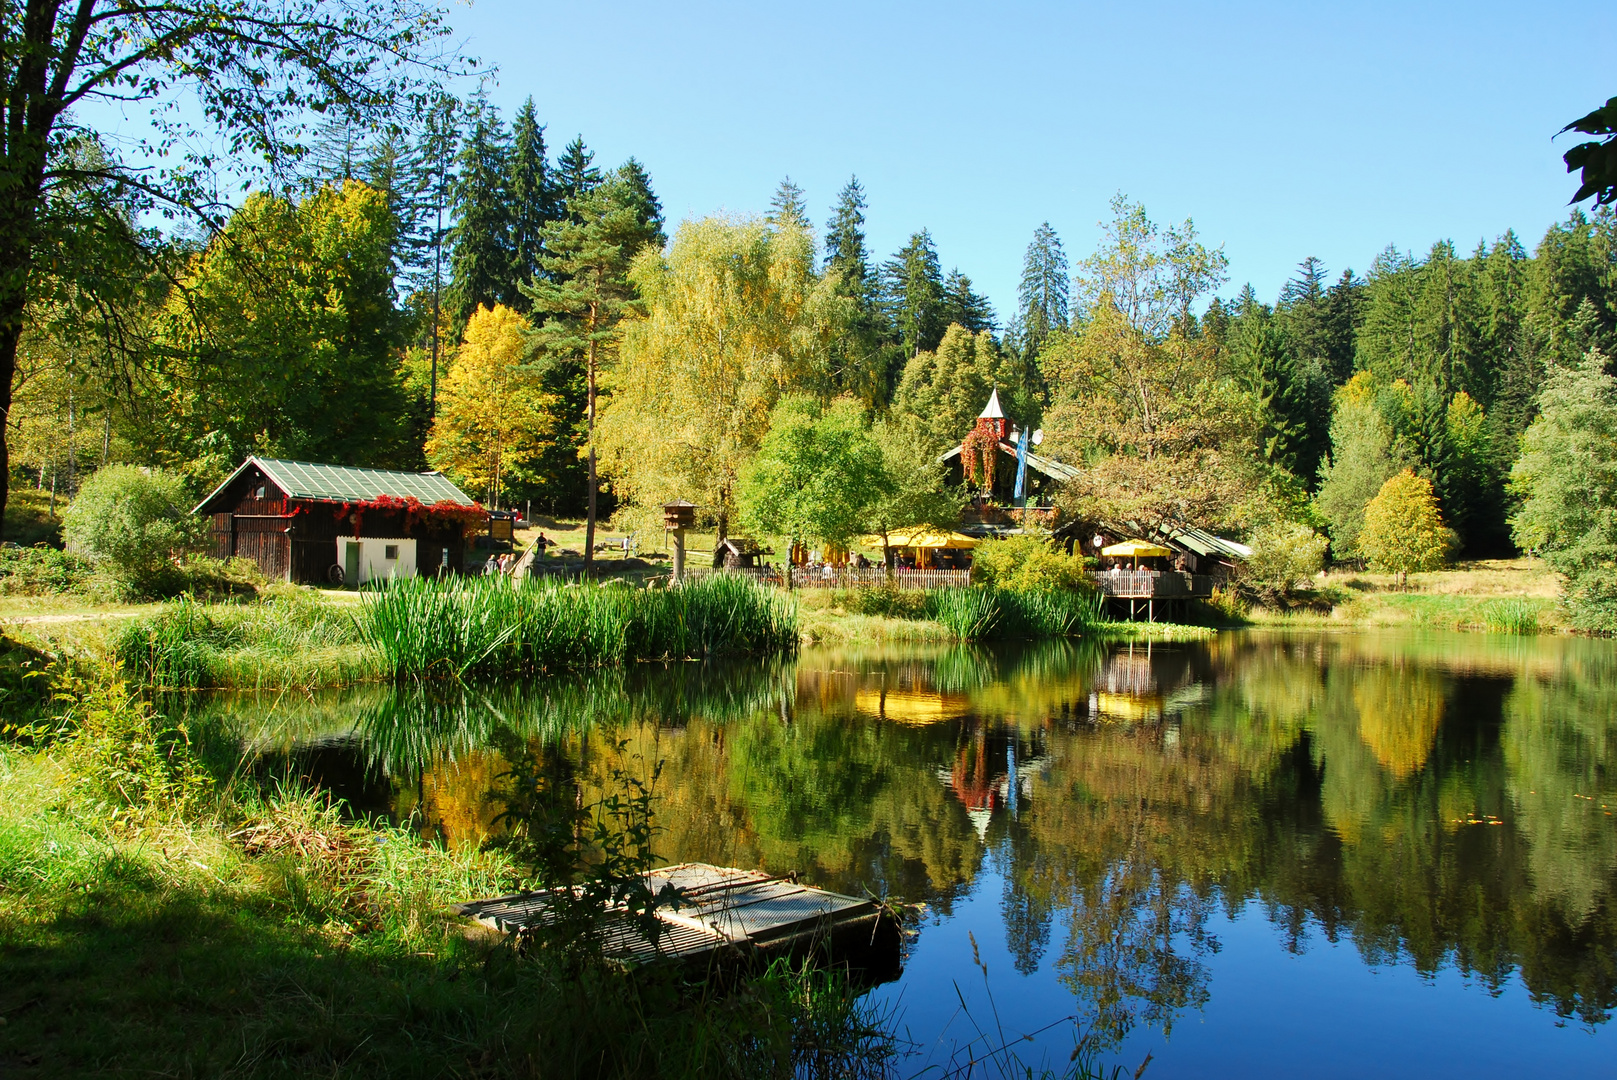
x: 494, y: 418
x: 734, y: 315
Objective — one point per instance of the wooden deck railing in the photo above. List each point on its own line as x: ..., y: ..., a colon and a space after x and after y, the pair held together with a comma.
x: 1151, y: 584
x: 815, y: 577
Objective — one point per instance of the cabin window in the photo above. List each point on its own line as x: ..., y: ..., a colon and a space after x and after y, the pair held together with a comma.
x: 259, y: 494
x: 391, y: 551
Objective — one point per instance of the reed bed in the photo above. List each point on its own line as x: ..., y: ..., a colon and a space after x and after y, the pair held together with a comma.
x: 288, y: 639
x: 489, y: 627
x: 983, y: 613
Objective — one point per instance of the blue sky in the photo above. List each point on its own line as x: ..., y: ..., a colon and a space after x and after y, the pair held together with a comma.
x: 1283, y: 129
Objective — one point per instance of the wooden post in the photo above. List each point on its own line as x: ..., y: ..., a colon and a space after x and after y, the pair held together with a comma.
x: 678, y: 516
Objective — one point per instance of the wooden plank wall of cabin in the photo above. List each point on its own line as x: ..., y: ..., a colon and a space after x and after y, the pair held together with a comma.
x: 222, y: 536
x: 264, y: 541
x: 312, y: 560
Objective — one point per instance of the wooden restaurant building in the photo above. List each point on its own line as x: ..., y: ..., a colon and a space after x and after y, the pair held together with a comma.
x: 333, y: 524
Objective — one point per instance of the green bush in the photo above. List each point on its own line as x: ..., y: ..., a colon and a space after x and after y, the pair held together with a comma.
x: 41, y: 571
x: 1285, y: 556
x: 1027, y: 564
x: 888, y: 601
x: 126, y: 761
x: 135, y: 525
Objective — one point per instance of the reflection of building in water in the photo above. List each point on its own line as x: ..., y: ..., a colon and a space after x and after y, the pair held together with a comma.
x: 911, y: 706
x: 992, y: 771
x: 1142, y: 685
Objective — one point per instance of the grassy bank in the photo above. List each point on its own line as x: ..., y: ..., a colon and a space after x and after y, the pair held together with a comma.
x: 1502, y: 596
x: 159, y: 916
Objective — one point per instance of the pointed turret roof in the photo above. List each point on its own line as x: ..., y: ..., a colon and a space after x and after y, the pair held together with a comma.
x: 992, y: 411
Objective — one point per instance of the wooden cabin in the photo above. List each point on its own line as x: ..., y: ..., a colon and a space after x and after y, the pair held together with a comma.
x: 333, y: 524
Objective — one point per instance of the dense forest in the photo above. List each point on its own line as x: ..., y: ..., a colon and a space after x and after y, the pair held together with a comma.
x: 458, y: 296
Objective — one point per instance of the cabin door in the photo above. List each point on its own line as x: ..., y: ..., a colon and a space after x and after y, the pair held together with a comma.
x: 350, y: 563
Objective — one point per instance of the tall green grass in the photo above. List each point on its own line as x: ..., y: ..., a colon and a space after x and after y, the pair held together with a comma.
x: 288, y: 639
x: 489, y: 627
x: 1511, y: 616
x: 984, y: 613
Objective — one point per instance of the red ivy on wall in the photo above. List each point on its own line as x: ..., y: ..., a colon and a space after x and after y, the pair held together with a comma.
x: 977, y: 455
x: 414, y: 510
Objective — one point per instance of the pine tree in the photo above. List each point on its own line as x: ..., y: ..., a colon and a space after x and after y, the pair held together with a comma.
x: 964, y: 305
x: 1344, y: 311
x: 913, y: 295
x: 576, y: 174
x: 1042, y: 298
x: 532, y: 200
x: 584, y: 294
x: 788, y: 207
x: 481, y: 266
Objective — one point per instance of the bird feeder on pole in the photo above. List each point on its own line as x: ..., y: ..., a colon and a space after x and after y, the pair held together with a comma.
x: 677, y: 517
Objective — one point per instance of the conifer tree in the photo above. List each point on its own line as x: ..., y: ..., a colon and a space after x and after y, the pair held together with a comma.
x: 436, y: 154
x: 964, y: 305
x: 584, y: 294
x: 913, y: 288
x: 1042, y: 297
x: 481, y: 265
x: 788, y: 207
x: 532, y: 199
x: 648, y: 208
x: 862, y: 360
x: 576, y: 174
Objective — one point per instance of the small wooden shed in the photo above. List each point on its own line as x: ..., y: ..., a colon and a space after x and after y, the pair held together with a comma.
x: 306, y: 522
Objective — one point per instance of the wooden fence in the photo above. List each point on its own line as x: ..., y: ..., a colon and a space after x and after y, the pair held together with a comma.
x: 816, y: 577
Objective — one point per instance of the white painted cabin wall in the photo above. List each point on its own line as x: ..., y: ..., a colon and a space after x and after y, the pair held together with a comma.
x: 373, y: 561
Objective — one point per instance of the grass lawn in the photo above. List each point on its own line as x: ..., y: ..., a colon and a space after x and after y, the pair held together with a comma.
x: 1502, y: 595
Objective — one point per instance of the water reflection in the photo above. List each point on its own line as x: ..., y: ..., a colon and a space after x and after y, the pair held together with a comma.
x: 1435, y: 800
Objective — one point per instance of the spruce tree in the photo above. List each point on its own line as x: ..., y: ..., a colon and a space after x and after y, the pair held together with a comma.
x: 436, y: 153
x: 913, y: 295
x: 480, y: 271
x: 576, y: 174
x: 648, y: 208
x: 532, y: 199
x: 964, y: 305
x: 863, y: 361
x: 787, y: 207
x: 1042, y: 297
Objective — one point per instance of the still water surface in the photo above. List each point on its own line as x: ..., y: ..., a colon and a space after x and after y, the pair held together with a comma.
x: 1263, y: 855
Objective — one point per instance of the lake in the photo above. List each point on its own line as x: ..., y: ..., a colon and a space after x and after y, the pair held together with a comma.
x: 1266, y: 854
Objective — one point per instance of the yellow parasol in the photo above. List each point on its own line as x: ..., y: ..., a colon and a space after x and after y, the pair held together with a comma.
x: 1136, y: 550
x: 922, y: 538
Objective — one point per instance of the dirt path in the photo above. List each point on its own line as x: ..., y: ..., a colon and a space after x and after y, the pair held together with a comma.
x: 39, y: 620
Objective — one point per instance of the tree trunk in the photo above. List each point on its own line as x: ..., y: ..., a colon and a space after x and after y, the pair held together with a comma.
x: 721, y: 536
x: 10, y: 333
x: 589, y: 434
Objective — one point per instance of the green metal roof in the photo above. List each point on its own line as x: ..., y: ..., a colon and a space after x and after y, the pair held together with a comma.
x: 342, y: 483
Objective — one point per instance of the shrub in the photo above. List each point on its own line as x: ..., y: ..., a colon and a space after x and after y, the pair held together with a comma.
x: 1403, y: 530
x: 885, y: 600
x: 135, y: 525
x: 41, y: 571
x: 127, y: 761
x: 1284, y: 556
x: 1027, y: 563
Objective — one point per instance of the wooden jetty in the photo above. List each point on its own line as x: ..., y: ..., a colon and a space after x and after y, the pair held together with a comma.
x: 725, y: 916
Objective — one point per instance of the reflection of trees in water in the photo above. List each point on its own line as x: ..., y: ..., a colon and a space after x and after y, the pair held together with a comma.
x: 1333, y: 779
